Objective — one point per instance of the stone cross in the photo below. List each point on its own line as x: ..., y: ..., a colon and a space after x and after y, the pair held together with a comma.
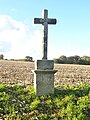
x: 44, y: 21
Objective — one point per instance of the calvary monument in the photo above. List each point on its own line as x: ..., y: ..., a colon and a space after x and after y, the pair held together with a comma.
x: 44, y: 73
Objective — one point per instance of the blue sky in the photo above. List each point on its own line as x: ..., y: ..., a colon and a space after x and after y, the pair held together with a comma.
x: 20, y: 37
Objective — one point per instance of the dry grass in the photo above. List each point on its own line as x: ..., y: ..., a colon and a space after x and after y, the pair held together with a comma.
x: 20, y: 73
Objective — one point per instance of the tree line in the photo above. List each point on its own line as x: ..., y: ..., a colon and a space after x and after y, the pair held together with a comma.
x: 84, y: 60
x: 27, y: 58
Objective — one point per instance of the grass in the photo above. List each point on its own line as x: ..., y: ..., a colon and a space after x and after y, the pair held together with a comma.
x: 68, y: 103
x: 71, y: 100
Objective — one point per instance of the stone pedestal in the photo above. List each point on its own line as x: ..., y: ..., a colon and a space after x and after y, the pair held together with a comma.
x: 44, y: 77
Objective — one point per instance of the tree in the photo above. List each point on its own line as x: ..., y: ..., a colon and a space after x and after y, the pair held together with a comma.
x: 70, y: 60
x: 86, y: 60
x: 63, y: 59
x: 28, y: 58
x: 1, y: 56
x: 57, y: 60
x: 74, y: 59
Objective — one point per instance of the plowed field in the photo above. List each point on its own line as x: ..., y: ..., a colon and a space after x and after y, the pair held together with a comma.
x: 21, y: 73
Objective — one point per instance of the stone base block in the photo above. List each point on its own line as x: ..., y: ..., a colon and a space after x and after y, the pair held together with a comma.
x: 44, y: 77
x: 44, y: 64
x: 44, y: 82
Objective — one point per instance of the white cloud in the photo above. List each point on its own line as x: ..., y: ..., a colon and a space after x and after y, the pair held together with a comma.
x: 17, y: 39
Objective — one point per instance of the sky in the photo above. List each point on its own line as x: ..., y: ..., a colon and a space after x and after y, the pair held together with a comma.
x: 20, y: 37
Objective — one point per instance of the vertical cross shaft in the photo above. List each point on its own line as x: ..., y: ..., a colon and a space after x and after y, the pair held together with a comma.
x: 45, y: 34
x: 44, y: 21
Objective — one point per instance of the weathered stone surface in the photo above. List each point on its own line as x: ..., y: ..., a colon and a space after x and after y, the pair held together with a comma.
x: 44, y: 77
x: 44, y: 82
x: 44, y: 21
x: 44, y: 73
x: 44, y: 64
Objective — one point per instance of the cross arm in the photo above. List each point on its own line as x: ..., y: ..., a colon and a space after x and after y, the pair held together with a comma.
x: 52, y: 21
x: 38, y: 21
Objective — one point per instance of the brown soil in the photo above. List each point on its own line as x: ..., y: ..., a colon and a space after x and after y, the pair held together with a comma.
x: 21, y: 73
